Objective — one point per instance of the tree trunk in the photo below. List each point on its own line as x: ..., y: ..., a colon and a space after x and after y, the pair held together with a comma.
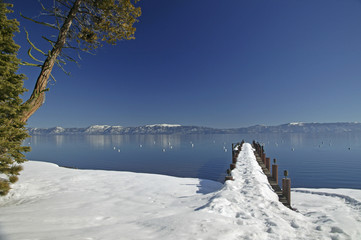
x: 38, y: 95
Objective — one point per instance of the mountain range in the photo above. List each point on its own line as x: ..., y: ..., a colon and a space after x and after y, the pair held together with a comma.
x: 298, y: 127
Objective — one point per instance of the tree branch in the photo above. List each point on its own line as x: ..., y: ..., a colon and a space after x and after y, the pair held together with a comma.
x: 38, y: 96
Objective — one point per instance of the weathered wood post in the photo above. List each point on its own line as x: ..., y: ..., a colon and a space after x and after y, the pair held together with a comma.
x: 264, y: 158
x: 234, y: 159
x: 233, y: 152
x: 268, y: 163
x: 286, y: 187
x: 275, y: 171
x: 255, y: 146
x: 229, y: 178
x: 232, y: 166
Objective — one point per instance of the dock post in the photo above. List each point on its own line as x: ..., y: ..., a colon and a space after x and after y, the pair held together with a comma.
x: 229, y: 178
x: 286, y: 187
x: 232, y: 151
x: 234, y: 158
x: 264, y: 158
x: 268, y: 163
x: 275, y: 171
x: 232, y: 166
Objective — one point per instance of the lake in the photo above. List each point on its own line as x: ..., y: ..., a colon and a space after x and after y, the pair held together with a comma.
x: 326, y: 160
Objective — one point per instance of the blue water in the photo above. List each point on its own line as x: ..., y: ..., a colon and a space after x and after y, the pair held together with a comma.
x: 330, y: 161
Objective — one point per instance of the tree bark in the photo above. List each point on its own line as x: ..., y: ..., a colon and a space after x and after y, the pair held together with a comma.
x: 38, y: 95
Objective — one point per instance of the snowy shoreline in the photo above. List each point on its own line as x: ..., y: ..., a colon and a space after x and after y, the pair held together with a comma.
x: 50, y: 202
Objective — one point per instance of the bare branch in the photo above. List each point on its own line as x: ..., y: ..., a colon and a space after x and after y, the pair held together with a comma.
x: 57, y: 61
x: 27, y: 38
x: 30, y: 64
x: 64, y: 4
x: 35, y: 59
x: 42, y: 23
x: 50, y: 41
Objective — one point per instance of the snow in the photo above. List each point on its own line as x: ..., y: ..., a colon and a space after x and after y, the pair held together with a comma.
x: 117, y: 127
x: 58, y: 130
x: 50, y: 202
x: 163, y: 125
x: 97, y: 128
x: 296, y: 124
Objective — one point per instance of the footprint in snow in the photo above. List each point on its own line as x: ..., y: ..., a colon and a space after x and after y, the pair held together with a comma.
x: 336, y: 230
x: 271, y: 223
x: 294, y: 224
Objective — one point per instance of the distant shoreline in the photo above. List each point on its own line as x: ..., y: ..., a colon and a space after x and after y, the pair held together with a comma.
x: 178, y: 129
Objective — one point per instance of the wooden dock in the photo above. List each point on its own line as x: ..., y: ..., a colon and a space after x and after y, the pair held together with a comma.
x: 284, y: 193
x: 272, y: 181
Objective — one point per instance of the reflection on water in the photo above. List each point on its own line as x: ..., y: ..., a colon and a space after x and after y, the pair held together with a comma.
x: 59, y: 140
x: 327, y: 160
x: 103, y: 141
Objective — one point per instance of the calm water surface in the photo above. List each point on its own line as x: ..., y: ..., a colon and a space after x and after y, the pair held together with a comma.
x: 328, y: 160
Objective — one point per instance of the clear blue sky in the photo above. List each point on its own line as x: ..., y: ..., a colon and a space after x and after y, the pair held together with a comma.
x: 213, y: 63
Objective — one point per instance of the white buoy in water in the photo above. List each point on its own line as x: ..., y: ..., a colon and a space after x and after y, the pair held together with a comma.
x: 163, y: 150
x: 118, y: 150
x: 140, y: 145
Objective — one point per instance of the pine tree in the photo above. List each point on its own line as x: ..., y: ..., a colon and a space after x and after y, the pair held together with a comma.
x: 79, y: 25
x: 12, y: 129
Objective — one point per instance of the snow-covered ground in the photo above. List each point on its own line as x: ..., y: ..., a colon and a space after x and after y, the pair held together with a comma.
x: 50, y: 202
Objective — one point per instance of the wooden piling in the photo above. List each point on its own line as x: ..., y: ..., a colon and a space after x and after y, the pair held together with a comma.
x: 275, y: 171
x: 268, y: 163
x: 284, y: 194
x: 234, y: 159
x: 232, y: 166
x: 286, y: 187
x: 229, y: 178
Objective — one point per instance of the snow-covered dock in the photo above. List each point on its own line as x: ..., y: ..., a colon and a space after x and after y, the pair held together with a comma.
x: 50, y: 202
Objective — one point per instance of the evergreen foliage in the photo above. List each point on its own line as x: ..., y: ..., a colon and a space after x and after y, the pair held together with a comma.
x: 12, y: 130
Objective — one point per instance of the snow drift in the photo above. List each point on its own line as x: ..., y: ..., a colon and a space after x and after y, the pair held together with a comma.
x: 50, y: 202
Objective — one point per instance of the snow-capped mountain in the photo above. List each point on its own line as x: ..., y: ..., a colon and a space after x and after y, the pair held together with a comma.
x: 298, y: 127
x: 97, y: 129
x: 163, y: 125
